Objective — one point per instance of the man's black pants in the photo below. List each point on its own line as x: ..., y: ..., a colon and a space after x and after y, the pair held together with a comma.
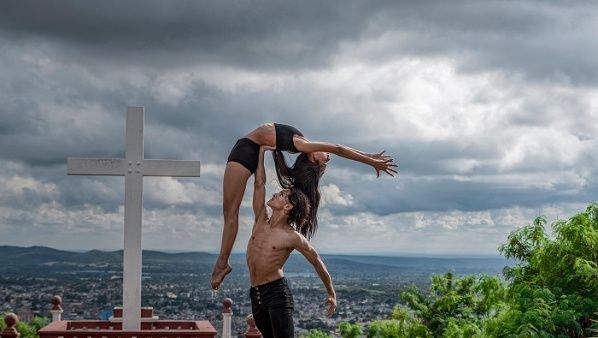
x: 272, y: 306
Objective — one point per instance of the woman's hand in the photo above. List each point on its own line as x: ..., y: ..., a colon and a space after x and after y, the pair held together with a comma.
x: 380, y: 156
x: 382, y: 162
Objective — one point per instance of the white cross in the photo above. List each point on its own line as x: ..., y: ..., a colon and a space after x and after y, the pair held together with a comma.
x: 133, y: 167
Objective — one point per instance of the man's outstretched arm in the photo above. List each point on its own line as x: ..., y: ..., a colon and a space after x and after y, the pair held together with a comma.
x: 306, y: 249
x: 259, y: 188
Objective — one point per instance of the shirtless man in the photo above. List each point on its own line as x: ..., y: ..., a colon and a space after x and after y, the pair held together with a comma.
x: 272, y: 241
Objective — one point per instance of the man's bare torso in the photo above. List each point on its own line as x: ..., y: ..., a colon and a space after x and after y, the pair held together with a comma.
x: 268, y: 249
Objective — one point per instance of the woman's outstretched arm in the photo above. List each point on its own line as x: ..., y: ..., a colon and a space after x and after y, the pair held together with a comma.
x: 379, y: 161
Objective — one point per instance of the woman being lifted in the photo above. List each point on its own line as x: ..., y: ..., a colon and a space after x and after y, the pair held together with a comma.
x: 304, y: 174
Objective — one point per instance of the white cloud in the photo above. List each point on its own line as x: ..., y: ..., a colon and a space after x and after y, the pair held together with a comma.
x: 171, y: 191
x: 455, y: 232
x: 332, y: 195
x: 166, y: 190
x: 170, y: 88
x: 17, y: 186
x: 568, y: 181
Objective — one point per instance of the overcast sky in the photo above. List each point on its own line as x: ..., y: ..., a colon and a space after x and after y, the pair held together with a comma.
x: 489, y: 107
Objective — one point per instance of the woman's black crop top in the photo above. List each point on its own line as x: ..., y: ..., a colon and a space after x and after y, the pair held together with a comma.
x: 284, y: 137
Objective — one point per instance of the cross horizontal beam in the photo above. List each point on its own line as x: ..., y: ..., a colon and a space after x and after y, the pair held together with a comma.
x: 120, y: 166
x: 96, y: 166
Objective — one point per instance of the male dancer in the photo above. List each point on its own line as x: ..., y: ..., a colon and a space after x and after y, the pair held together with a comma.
x: 272, y: 241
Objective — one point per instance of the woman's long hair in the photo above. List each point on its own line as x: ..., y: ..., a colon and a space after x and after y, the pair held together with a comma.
x: 304, y: 175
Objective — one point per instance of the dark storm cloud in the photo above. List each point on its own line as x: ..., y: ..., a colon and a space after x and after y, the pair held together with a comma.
x: 260, y: 34
x: 445, y: 194
x: 542, y: 40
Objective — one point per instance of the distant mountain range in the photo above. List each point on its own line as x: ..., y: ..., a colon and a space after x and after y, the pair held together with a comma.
x: 14, y: 259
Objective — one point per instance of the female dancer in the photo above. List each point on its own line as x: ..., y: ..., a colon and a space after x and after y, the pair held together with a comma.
x: 306, y: 172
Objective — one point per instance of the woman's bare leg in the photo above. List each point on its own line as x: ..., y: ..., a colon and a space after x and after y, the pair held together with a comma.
x: 235, y: 180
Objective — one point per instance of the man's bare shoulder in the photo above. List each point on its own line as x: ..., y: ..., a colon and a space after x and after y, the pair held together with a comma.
x: 295, y: 237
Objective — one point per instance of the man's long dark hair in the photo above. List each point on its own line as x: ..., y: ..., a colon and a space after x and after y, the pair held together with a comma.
x: 304, y: 175
x: 299, y: 214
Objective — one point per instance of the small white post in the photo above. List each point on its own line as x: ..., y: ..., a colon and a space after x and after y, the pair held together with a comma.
x: 227, y: 314
x: 56, y: 308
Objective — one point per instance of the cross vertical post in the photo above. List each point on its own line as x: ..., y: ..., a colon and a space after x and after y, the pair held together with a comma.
x: 132, y: 231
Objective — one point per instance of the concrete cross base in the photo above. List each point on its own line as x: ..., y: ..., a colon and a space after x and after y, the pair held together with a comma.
x: 147, y: 316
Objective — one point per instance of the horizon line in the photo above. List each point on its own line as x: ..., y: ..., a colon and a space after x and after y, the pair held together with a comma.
x: 356, y: 253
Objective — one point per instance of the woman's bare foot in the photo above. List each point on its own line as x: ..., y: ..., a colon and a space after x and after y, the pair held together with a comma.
x: 220, y: 271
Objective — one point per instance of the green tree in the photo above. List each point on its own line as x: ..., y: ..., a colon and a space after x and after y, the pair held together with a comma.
x: 594, y: 328
x: 401, y: 325
x: 551, y: 291
x: 317, y: 334
x: 38, y: 322
x: 456, y: 328
x: 457, y: 307
x: 2, y: 323
x: 26, y: 330
x: 553, y: 288
x: 386, y: 329
x: 348, y: 330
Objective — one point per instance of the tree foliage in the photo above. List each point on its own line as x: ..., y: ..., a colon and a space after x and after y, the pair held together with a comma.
x: 317, y: 334
x: 348, y: 330
x: 456, y: 307
x: 554, y: 285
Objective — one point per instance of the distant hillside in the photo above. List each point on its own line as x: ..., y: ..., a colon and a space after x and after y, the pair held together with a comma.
x: 14, y: 258
x: 43, y: 259
x: 461, y: 265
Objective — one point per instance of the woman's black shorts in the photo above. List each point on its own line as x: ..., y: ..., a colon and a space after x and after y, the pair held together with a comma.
x: 246, y: 152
